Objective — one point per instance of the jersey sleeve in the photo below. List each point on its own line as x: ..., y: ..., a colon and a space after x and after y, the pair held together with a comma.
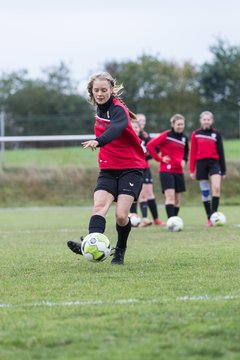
x: 154, y: 145
x: 193, y: 153
x: 145, y: 137
x: 119, y: 122
x: 186, y: 151
x: 221, y: 154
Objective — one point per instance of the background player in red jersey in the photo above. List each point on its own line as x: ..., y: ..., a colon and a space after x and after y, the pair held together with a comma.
x: 121, y: 161
x: 173, y: 145
x: 146, y: 197
x: 207, y: 162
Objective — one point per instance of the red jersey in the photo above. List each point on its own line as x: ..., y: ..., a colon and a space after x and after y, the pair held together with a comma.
x: 120, y: 147
x: 206, y: 144
x: 172, y: 144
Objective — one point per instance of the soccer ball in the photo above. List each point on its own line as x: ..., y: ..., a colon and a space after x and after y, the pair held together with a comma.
x: 96, y: 247
x: 135, y: 220
x: 175, y: 224
x: 218, y: 219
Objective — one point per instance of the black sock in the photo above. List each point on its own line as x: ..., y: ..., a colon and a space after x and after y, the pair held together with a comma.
x: 133, y: 208
x: 144, y: 208
x: 153, y: 208
x: 97, y: 223
x: 215, y: 203
x: 176, y: 210
x: 207, y: 207
x: 170, y: 210
x: 123, y: 232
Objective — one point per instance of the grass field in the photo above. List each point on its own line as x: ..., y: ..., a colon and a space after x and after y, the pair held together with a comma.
x: 76, y: 156
x: 52, y: 157
x: 177, y: 296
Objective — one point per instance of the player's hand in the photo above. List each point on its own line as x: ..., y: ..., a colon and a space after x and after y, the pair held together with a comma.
x: 90, y: 144
x: 183, y: 163
x: 166, y: 159
x: 223, y: 177
x: 193, y: 176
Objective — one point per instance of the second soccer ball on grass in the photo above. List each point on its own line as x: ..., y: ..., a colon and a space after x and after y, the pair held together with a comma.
x: 175, y: 224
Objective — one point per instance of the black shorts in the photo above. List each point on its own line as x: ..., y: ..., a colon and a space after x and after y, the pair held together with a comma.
x: 206, y: 168
x: 172, y: 181
x: 147, y: 176
x: 116, y: 182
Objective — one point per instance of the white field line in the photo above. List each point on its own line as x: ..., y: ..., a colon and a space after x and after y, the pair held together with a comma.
x: 45, y: 303
x: 207, y: 298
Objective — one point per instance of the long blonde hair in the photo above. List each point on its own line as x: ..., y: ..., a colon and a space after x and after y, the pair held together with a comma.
x: 117, y: 89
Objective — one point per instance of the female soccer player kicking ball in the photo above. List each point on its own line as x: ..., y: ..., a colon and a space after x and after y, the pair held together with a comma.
x: 173, y: 145
x: 207, y: 161
x: 121, y: 162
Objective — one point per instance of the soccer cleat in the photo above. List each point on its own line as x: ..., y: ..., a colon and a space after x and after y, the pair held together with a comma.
x: 118, y: 256
x: 209, y: 223
x: 159, y: 222
x: 145, y: 222
x: 75, y: 246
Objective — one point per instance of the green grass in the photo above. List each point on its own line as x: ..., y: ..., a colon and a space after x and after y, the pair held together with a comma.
x: 76, y: 156
x: 160, y: 266
x: 52, y: 157
x: 232, y: 149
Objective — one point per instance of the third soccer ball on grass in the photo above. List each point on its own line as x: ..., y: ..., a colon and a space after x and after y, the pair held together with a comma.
x: 175, y: 224
x: 96, y: 247
x: 218, y: 219
x: 135, y: 220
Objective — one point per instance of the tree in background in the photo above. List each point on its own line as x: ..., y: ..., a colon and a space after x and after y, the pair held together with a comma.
x: 51, y: 105
x: 220, y: 86
x: 154, y: 86
x: 159, y: 88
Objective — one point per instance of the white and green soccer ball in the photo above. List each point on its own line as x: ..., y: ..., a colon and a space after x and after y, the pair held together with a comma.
x: 175, y: 224
x: 218, y: 219
x: 96, y: 247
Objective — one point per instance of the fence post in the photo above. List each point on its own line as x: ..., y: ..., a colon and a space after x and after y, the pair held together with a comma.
x: 2, y: 131
x: 239, y: 122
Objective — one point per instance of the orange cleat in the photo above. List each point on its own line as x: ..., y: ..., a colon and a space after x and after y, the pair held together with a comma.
x: 159, y: 222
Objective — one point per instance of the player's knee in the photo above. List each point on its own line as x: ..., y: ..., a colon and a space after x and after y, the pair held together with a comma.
x: 143, y: 195
x: 205, y: 190
x: 99, y: 208
x: 142, y: 198
x: 169, y: 198
x: 216, y: 190
x: 177, y: 202
x: 121, y: 218
x: 150, y: 194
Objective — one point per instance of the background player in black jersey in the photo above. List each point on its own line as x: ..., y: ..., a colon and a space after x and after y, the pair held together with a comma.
x: 207, y: 162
